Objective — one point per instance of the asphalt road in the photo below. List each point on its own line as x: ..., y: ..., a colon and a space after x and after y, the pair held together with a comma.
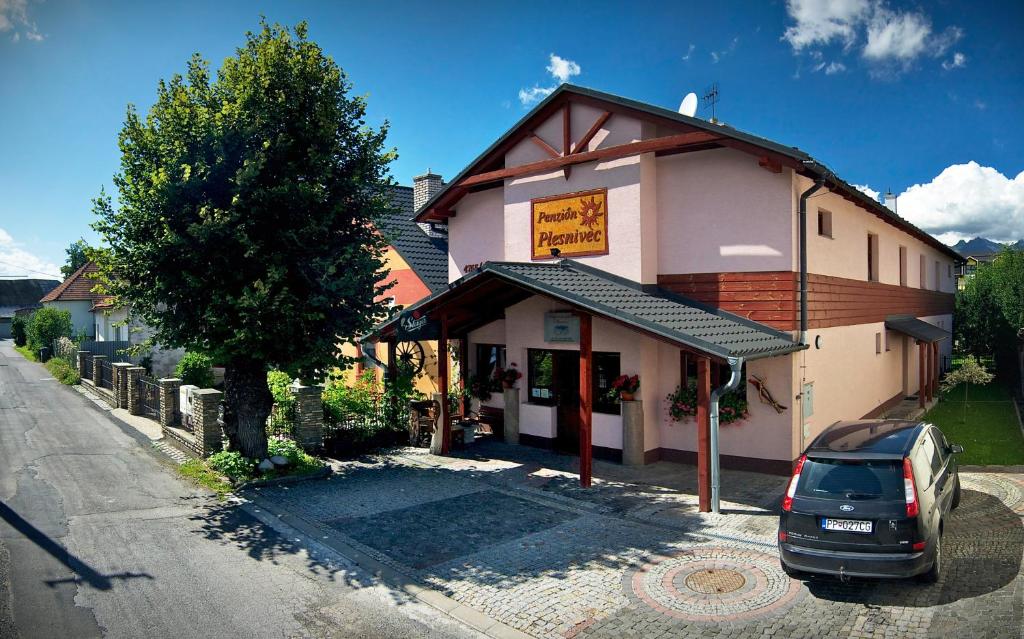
x: 99, y: 538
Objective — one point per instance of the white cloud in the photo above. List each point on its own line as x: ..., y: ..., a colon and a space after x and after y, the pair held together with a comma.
x: 835, y: 67
x: 561, y: 71
x: 14, y: 260
x: 718, y: 55
x: 890, y: 40
x: 967, y: 200
x: 867, y: 190
x: 689, y: 51
x: 958, y: 61
x: 14, y: 17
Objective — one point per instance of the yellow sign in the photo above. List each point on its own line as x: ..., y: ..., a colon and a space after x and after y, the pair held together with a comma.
x: 575, y: 223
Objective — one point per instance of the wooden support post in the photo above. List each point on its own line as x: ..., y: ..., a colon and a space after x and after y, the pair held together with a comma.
x: 393, y: 373
x: 921, y: 383
x: 464, y: 373
x: 704, y: 434
x: 928, y: 369
x: 442, y: 380
x: 359, y: 361
x: 935, y: 368
x: 684, y: 369
x: 586, y: 399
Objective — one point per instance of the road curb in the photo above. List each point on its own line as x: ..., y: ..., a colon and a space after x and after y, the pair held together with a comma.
x: 254, y: 504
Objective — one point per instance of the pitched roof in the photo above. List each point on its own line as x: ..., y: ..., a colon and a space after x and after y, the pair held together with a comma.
x: 78, y: 287
x: 650, y: 309
x: 918, y: 329
x: 22, y: 293
x: 801, y: 161
x: 427, y: 255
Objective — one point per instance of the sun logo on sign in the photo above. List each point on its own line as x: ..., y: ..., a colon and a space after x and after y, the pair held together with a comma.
x: 590, y: 212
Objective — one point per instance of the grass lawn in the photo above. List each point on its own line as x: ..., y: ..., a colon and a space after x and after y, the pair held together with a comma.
x: 26, y: 352
x: 990, y: 434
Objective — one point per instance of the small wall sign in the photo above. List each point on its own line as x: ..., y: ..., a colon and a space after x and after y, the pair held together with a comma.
x: 561, y: 326
x: 415, y: 326
x: 574, y: 223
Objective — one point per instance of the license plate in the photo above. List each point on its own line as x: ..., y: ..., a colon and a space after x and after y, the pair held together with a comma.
x: 846, y: 525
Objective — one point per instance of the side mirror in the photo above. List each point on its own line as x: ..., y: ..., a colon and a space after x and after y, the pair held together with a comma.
x: 956, y: 448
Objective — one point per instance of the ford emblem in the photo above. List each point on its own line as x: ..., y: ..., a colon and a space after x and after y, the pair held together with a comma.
x: 846, y: 508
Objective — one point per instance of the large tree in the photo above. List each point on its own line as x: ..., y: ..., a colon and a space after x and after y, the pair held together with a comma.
x: 78, y: 256
x: 244, y: 227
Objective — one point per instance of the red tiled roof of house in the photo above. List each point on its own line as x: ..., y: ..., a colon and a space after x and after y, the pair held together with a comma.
x: 78, y: 287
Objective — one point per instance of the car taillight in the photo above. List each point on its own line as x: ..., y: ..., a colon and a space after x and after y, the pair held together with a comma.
x: 919, y: 546
x: 782, y: 535
x: 787, y: 501
x: 910, y: 489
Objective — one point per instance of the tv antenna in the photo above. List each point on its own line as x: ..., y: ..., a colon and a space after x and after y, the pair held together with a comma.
x: 710, y: 99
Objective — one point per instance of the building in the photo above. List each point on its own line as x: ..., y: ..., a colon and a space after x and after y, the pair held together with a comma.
x: 603, y: 236
x: 20, y: 294
x: 969, y: 264
x: 76, y: 296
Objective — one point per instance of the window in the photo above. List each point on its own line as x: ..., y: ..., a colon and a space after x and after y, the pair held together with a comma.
x: 923, y: 268
x: 878, y: 343
x: 824, y: 223
x: 936, y: 282
x: 852, y: 479
x: 903, y: 266
x: 949, y: 270
x: 540, y: 377
x: 489, y: 358
x: 872, y: 257
x: 606, y: 369
x: 888, y: 341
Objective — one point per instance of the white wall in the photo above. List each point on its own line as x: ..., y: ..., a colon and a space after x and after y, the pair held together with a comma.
x: 477, y: 232
x: 81, y: 315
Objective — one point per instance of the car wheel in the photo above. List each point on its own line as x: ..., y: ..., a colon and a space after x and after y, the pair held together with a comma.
x: 935, y: 572
x: 956, y: 495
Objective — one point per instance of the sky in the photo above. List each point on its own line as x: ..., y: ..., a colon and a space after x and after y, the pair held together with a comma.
x: 923, y: 99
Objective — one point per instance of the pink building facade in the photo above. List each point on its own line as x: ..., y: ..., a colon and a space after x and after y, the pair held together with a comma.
x: 705, y: 216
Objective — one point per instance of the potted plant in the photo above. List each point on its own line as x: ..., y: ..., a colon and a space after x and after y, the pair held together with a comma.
x: 509, y: 376
x: 625, y: 387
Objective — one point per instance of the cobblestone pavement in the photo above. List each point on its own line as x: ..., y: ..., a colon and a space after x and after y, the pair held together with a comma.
x: 507, y: 531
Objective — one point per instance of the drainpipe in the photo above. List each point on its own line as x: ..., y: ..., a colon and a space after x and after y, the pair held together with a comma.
x: 735, y: 375
x: 818, y: 184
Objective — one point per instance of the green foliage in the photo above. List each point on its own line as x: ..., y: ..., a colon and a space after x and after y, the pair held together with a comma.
x: 278, y: 382
x: 990, y: 313
x: 358, y: 399
x: 682, y: 404
x: 19, y: 330
x: 299, y: 461
x: 195, y: 369
x: 233, y: 465
x: 27, y: 353
x: 969, y: 372
x: 62, y: 371
x: 78, y: 256
x: 46, y: 325
x: 990, y: 435
x: 200, y: 473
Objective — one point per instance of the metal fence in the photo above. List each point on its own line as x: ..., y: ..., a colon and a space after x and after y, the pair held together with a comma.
x: 149, y: 397
x: 281, y: 421
x: 106, y: 374
x: 374, y: 425
x: 115, y: 351
x: 88, y: 366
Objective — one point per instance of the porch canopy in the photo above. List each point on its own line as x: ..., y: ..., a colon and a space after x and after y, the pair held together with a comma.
x: 482, y: 296
x: 927, y: 337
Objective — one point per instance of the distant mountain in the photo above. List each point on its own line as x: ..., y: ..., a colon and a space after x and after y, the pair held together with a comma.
x: 980, y: 245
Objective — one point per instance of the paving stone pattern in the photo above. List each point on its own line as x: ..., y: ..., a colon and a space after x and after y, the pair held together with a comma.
x: 507, y: 531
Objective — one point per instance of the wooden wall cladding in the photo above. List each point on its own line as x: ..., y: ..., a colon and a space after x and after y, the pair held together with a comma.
x: 772, y: 298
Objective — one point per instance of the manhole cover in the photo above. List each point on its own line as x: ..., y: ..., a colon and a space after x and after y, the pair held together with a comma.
x: 714, y: 581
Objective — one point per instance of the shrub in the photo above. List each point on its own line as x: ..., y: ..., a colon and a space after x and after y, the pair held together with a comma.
x: 278, y: 382
x: 63, y: 371
x: 299, y: 462
x: 195, y: 369
x: 19, y: 330
x: 682, y: 404
x: 232, y: 465
x: 46, y: 325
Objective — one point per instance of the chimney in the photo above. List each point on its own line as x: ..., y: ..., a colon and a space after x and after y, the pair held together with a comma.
x: 425, y: 187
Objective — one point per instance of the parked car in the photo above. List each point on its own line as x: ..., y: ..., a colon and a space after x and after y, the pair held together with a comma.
x: 870, y: 498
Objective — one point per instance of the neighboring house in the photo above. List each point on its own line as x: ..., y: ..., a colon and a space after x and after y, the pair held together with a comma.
x: 417, y: 259
x: 107, y: 328
x: 966, y: 269
x: 684, y: 246
x: 18, y: 296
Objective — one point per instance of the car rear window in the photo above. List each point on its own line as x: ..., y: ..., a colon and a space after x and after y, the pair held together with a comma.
x: 850, y: 479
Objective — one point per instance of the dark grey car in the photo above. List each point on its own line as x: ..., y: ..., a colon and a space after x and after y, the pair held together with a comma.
x: 869, y: 498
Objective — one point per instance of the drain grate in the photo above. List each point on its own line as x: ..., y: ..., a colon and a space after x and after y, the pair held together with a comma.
x: 713, y: 581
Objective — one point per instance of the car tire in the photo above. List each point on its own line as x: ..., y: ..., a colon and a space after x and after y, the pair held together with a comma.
x: 935, y: 572
x: 956, y: 495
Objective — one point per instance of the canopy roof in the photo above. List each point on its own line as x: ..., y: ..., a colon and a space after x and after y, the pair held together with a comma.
x: 481, y: 297
x: 918, y: 329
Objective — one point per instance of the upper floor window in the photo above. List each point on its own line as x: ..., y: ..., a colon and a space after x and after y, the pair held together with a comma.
x: 872, y: 257
x: 923, y: 268
x: 949, y: 270
x: 824, y: 223
x: 903, y: 266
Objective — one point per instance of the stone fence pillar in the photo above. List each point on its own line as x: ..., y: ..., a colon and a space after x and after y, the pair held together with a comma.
x: 169, y: 401
x: 206, y: 429
x: 511, y: 415
x: 80, y: 360
x: 133, y: 392
x: 633, y: 433
x: 97, y: 363
x: 309, y: 415
x: 120, y: 374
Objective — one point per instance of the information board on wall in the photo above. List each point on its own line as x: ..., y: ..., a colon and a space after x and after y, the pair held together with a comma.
x: 574, y: 223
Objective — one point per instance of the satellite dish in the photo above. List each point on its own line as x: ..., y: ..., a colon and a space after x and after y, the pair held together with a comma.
x: 688, y: 106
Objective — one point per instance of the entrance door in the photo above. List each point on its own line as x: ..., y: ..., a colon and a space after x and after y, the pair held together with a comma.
x: 566, y: 371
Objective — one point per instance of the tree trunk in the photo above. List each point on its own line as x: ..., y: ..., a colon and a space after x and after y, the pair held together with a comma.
x: 247, y: 404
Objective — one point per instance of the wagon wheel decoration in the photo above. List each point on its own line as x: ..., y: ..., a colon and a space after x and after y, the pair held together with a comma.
x: 411, y: 356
